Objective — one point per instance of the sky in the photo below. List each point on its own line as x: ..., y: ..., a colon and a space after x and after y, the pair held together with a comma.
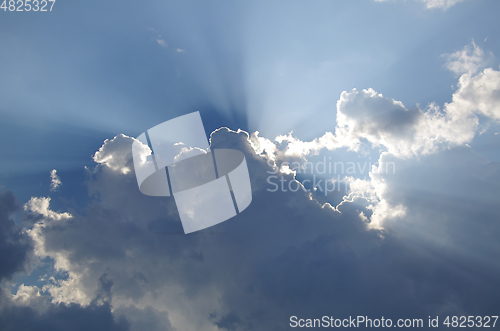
x: 371, y: 133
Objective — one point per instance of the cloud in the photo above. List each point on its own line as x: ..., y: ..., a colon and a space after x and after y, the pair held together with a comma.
x: 44, y: 316
x: 55, y: 181
x: 28, y: 309
x: 61, y: 317
x: 382, y: 121
x: 116, y: 155
x: 386, y: 122
x: 286, y: 254
x: 431, y: 4
x: 399, y: 244
x: 367, y: 119
x: 368, y: 115
x: 444, y: 4
x: 148, y: 318
x: 476, y: 94
x: 127, y: 241
x: 15, y: 246
x: 41, y: 206
x: 262, y: 146
x: 468, y: 60
x: 162, y: 43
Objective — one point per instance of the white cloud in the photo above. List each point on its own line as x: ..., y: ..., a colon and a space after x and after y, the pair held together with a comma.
x: 374, y: 191
x: 296, y: 147
x: 187, y: 152
x: 263, y: 146
x: 116, y: 153
x: 162, y: 43
x: 477, y: 94
x: 367, y: 116
x: 382, y: 121
x: 41, y: 206
x: 68, y: 290
x: 468, y: 60
x: 28, y: 296
x: 444, y: 4
x: 55, y: 181
x: 431, y: 4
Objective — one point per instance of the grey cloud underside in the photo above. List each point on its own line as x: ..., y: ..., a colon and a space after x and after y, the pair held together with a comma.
x: 14, y: 246
x: 285, y: 255
x: 41, y: 315
x: 61, y: 318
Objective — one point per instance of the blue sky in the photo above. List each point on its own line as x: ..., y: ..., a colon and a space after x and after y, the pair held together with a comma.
x: 77, y: 83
